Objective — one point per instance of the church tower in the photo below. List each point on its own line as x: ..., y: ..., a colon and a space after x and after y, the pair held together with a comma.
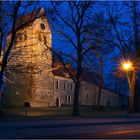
x: 29, y: 71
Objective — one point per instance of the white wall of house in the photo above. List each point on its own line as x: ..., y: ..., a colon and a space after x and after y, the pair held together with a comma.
x: 64, y: 93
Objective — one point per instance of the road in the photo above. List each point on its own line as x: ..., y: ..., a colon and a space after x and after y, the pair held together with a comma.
x: 117, y: 133
x: 72, y: 128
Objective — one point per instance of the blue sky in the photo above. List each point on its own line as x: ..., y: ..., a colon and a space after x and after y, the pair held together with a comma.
x: 60, y: 43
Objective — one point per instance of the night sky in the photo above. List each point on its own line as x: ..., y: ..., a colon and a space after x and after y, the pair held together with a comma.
x: 59, y: 43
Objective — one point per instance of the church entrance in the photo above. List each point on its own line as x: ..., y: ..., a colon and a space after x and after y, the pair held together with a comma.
x: 57, y: 102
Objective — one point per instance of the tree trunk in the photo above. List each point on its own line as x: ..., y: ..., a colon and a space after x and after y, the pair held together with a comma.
x: 101, y: 79
x: 131, y: 100
x: 2, y: 94
x: 77, y: 85
x: 0, y: 45
x: 99, y: 98
x: 76, y: 99
x: 131, y: 81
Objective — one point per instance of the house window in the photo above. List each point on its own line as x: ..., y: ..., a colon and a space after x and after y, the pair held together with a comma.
x: 94, y: 98
x: 65, y: 99
x: 71, y: 86
x: 64, y: 85
x: 69, y: 99
x: 57, y: 85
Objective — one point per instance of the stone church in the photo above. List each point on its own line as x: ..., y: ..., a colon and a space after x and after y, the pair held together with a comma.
x: 32, y: 76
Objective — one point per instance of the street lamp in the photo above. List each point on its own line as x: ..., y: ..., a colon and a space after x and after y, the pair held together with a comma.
x: 128, y: 67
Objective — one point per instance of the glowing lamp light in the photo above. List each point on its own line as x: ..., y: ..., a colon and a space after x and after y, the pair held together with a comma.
x: 127, y: 65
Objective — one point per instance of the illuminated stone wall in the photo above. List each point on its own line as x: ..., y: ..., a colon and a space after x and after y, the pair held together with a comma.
x: 29, y: 66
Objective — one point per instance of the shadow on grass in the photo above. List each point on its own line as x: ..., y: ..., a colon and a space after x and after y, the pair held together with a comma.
x: 60, y: 112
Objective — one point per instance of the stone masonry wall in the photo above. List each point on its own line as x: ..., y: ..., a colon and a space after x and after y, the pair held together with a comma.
x: 30, y: 66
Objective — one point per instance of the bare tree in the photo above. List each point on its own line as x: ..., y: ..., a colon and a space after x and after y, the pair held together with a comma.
x: 77, y: 21
x: 0, y: 27
x: 97, y: 37
x: 125, y: 35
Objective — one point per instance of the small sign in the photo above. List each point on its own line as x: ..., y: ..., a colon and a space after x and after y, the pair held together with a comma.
x: 26, y: 104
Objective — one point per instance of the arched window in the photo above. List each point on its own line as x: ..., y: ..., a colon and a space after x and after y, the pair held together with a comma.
x: 45, y: 40
x: 39, y: 37
x: 42, y: 26
x: 57, y: 84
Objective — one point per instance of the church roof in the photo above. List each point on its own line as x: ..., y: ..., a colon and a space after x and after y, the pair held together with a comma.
x: 30, y: 17
x: 59, y: 70
x: 89, y: 77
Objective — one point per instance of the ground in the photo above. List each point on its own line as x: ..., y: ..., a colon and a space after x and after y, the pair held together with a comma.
x: 61, y: 112
x: 58, y: 123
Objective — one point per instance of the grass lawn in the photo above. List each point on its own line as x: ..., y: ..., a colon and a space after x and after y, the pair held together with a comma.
x: 61, y: 112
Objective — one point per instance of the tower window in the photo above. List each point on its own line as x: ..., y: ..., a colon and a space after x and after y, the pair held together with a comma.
x: 45, y: 42
x: 42, y: 26
x: 57, y: 85
x: 39, y: 37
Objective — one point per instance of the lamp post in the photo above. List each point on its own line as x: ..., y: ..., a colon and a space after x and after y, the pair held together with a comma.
x: 128, y: 67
